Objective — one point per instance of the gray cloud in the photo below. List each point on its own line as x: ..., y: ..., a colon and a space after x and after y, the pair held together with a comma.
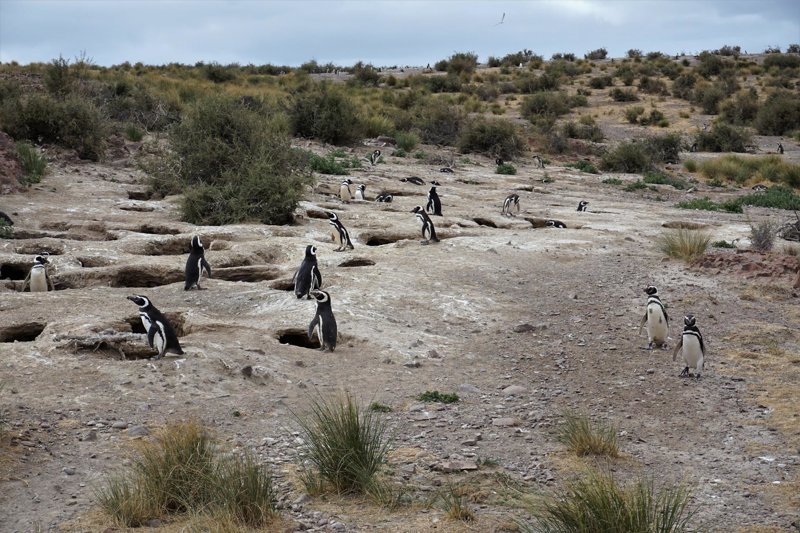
x: 380, y: 32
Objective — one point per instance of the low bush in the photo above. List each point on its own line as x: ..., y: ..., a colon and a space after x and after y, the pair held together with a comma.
x: 633, y: 113
x: 708, y: 97
x: 612, y: 181
x: 723, y: 137
x: 741, y: 109
x: 133, y: 133
x: 583, y: 166
x: 545, y: 105
x: 581, y: 438
x: 327, y: 114
x: 762, y: 236
x: 723, y: 244
x: 326, y: 165
x: 661, y: 178
x: 497, y: 137
x: 219, y: 73
x: 741, y: 169
x: 601, y: 82
x: 623, y: 95
x: 782, y: 61
x: 345, y: 445
x: 637, y: 185
x: 33, y: 162
x: 454, y: 503
x: 436, y: 396
x: 600, y: 53
x: 652, y: 86
x: 684, y: 243
x: 506, y: 168
x: 683, y: 85
x: 627, y: 157
x: 437, y: 121
x: 407, y: 141
x: 780, y: 114
x: 690, y: 165
x: 462, y: 63
x: 590, y: 132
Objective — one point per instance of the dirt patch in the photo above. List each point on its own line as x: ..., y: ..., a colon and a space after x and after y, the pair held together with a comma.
x: 749, y: 264
x: 680, y: 224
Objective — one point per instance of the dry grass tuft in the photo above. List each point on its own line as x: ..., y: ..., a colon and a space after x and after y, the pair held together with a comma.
x: 581, y: 438
x: 684, y: 244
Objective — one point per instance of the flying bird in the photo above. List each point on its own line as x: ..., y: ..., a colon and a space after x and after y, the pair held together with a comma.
x: 502, y: 19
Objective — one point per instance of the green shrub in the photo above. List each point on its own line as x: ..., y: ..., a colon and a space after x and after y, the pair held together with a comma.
x: 652, y: 86
x: 660, y: 178
x: 780, y: 114
x: 583, y: 166
x: 438, y: 122
x: 723, y: 244
x: 133, y: 133
x: 627, y: 157
x: 380, y: 407
x: 327, y: 114
x: 451, y: 83
x: 399, y: 152
x: 664, y: 148
x: 705, y: 204
x: 407, y: 141
x: 777, y: 197
x: 633, y: 113
x: 436, y: 396
x: 578, y: 435
x: 181, y: 471
x: 683, y: 85
x: 218, y: 73
x: 684, y: 243
x: 59, y: 79
x: 600, y: 53
x: 326, y: 165
x: 34, y: 164
x: 596, y: 502
x: 454, y: 503
x: 498, y: 137
x: 462, y: 63
x: 345, y: 445
x: 601, y: 82
x: 723, y: 137
x: 375, y: 125
x: 612, y: 181
x: 528, y: 83
x: 591, y: 132
x: 6, y: 232
x: 740, y: 110
x: 690, y: 165
x: 782, y: 61
x: 545, y: 104
x: 506, y: 168
x: 708, y: 97
x: 634, y: 186
x: 623, y: 95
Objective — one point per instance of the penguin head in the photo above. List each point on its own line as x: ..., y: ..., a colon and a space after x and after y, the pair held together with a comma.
x: 404, y: 180
x: 332, y: 216
x: 141, y: 301
x: 196, y: 244
x: 498, y: 161
x: 362, y: 187
x: 41, y: 260
x: 320, y: 296
x: 434, y: 182
x: 376, y: 153
x: 417, y: 209
x: 651, y: 290
x: 689, y: 320
x: 311, y: 251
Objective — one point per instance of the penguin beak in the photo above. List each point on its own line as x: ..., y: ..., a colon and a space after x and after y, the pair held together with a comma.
x: 131, y: 298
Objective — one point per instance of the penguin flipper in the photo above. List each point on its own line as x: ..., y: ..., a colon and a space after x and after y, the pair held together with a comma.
x: 677, y: 348
x: 204, y: 264
x: 151, y: 334
x: 311, y: 327
x: 316, y: 277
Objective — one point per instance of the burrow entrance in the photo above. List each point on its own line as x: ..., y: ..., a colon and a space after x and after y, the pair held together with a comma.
x: 357, y: 262
x: 15, y: 271
x: 381, y: 240
x: 151, y: 229
x: 484, y: 222
x: 282, y: 285
x: 26, y: 332
x: 250, y: 274
x: 144, y: 276
x: 298, y: 337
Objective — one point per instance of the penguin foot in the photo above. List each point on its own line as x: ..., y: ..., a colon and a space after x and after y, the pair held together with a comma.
x: 684, y: 373
x: 697, y: 377
x: 424, y: 242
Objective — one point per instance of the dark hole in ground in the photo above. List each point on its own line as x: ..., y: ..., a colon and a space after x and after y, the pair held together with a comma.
x: 158, y: 230
x: 26, y: 332
x: 380, y: 240
x: 282, y: 285
x: 15, y: 271
x: 143, y: 276
x: 94, y: 261
x: 298, y: 337
x: 249, y: 274
x: 173, y: 246
x: 684, y: 225
x: 357, y: 262
x: 140, y: 195
x: 484, y: 222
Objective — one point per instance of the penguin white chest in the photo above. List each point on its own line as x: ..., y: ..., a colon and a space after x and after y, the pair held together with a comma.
x: 657, y: 327
x: 692, y: 352
x: 344, y: 192
x: 38, y: 280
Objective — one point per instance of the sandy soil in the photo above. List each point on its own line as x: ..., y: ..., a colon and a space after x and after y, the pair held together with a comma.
x: 554, y: 312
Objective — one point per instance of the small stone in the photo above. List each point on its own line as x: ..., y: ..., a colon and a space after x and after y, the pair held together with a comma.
x: 412, y: 364
x: 68, y: 470
x: 90, y: 436
x: 120, y: 424
x: 303, y: 498
x: 505, y: 422
x: 456, y: 466
x: 138, y: 431
x: 433, y: 354
x: 513, y: 390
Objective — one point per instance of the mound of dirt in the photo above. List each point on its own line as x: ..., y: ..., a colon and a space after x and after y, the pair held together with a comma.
x: 749, y: 264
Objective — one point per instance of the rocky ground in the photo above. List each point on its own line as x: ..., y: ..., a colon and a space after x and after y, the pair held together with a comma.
x: 523, y: 322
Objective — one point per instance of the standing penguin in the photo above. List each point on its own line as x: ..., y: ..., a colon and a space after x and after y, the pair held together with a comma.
x: 340, y: 234
x: 360, y: 192
x: 655, y: 316
x: 582, y: 205
x: 324, y: 321
x: 195, y: 265
x: 511, y: 202
x: 374, y: 157
x: 160, y: 333
x: 434, y: 204
x: 428, y: 231
x: 307, y: 278
x: 344, y: 190
x: 780, y: 148
x: 38, y: 277
x: 692, y: 347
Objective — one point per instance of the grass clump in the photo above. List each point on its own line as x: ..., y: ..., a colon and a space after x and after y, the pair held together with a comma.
x: 34, y: 164
x: 612, y: 181
x: 723, y: 244
x: 684, y: 243
x: 453, y: 502
x: 326, y: 165
x: 181, y: 471
x: 641, y: 156
x: 583, y: 166
x: 133, y: 133
x: 578, y: 434
x: 623, y: 95
x: 634, y: 186
x: 345, y: 445
x: 491, y: 136
x: 596, y: 502
x: 407, y: 141
x: 762, y: 236
x: 661, y: 178
x: 741, y: 169
x: 380, y: 407
x: 690, y: 165
x: 723, y: 137
x: 506, y: 168
x: 436, y: 396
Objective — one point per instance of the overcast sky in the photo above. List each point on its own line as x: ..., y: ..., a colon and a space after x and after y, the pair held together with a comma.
x: 380, y: 32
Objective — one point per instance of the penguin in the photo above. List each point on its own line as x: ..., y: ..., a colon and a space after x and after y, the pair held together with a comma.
x: 323, y: 321
x: 511, y: 201
x: 760, y: 187
x: 373, y: 157
x: 341, y: 236
x: 195, y: 265
x: 7, y: 219
x: 446, y: 170
x: 428, y: 231
x: 344, y: 190
x: 582, y: 206
x: 38, y: 277
x: 160, y: 333
x: 413, y: 179
x: 499, y: 162
x: 434, y: 204
x: 555, y: 224
x: 384, y: 197
x: 657, y: 320
x: 436, y: 183
x: 360, y: 192
x: 307, y: 278
x: 692, y: 347
x: 539, y: 161
x: 780, y: 148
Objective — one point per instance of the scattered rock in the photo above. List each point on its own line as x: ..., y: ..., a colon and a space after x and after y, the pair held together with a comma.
x: 119, y: 424
x: 529, y: 328
x: 514, y: 390
x: 505, y: 422
x: 138, y: 431
x: 467, y: 387
x: 455, y: 466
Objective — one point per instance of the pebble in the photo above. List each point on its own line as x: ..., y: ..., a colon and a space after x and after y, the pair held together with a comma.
x: 68, y: 470
x: 119, y: 424
x: 505, y: 422
x: 138, y: 431
x: 513, y: 390
x: 467, y: 387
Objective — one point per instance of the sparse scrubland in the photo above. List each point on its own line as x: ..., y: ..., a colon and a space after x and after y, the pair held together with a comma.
x: 248, y: 145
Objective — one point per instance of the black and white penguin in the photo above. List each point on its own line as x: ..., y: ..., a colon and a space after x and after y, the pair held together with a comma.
x: 760, y: 187
x: 691, y: 346
x: 7, y: 219
x: 360, y: 192
x: 555, y: 224
x: 340, y: 234
x: 499, y: 162
x: 196, y: 264
x: 307, y: 278
x: 582, y: 205
x: 539, y: 161
x: 39, y: 277
x: 344, y: 190
x: 780, y: 148
x: 511, y: 202
x: 428, y: 231
x: 323, y: 321
x: 436, y: 183
x: 656, y: 318
x: 374, y: 157
x: 434, y: 205
x: 384, y: 197
x: 413, y: 179
x: 446, y: 170
x: 160, y: 333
